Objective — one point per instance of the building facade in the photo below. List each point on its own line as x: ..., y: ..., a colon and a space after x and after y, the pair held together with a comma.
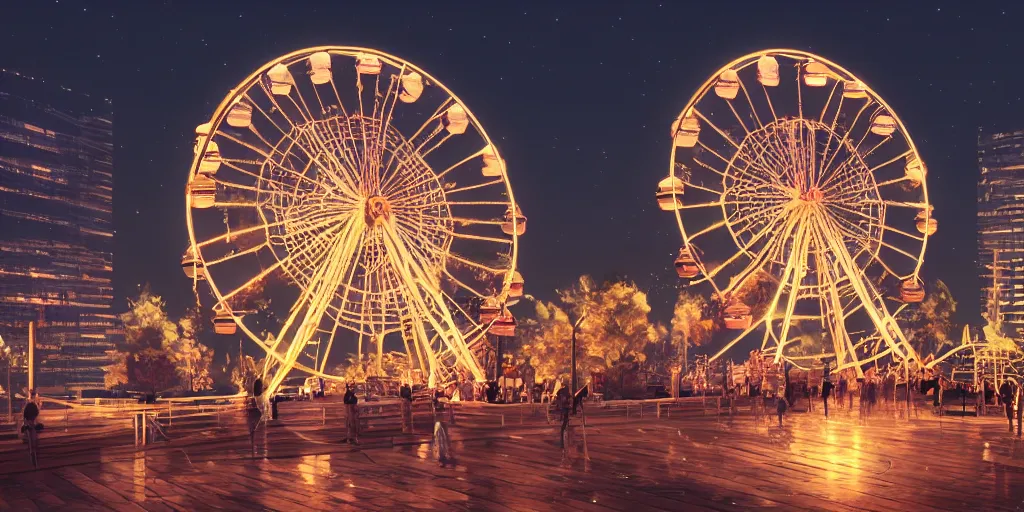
x: 1001, y: 227
x: 56, y: 230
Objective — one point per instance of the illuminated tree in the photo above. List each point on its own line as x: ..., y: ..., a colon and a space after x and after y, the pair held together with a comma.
x: 392, y: 365
x: 616, y: 329
x: 545, y: 338
x: 690, y: 326
x: 929, y: 324
x: 147, y: 332
x: 116, y: 373
x: 192, y: 360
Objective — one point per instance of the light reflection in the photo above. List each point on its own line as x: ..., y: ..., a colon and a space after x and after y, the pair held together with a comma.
x: 139, y: 476
x: 311, y: 466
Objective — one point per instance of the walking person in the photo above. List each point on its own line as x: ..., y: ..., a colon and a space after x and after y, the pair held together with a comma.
x: 253, y: 412
x: 30, y: 428
x: 405, y: 399
x: 563, y: 401
x: 351, y: 415
x: 781, y: 405
x: 826, y: 392
x: 1006, y: 393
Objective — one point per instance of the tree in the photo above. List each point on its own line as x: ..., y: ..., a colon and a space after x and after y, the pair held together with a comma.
x: 116, y: 373
x: 616, y: 329
x: 930, y: 323
x: 690, y: 326
x: 244, y: 374
x: 393, y: 365
x: 192, y: 360
x: 147, y: 331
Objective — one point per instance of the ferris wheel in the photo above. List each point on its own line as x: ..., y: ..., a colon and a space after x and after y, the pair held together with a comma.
x: 367, y: 200
x: 789, y: 176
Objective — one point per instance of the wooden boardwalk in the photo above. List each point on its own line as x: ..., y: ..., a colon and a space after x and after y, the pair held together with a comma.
x: 694, y: 463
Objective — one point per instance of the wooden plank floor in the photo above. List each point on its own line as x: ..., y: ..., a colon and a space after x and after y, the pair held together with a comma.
x: 709, y: 463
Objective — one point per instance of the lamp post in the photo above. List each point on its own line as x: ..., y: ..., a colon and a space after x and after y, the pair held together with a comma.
x: 572, y: 359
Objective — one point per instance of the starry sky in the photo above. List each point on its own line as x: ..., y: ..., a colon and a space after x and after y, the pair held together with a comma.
x: 579, y: 101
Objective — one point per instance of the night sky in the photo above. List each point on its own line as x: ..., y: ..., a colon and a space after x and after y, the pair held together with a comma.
x: 579, y: 97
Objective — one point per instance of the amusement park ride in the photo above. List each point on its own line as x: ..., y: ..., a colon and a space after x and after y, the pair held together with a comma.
x: 786, y: 167
x: 372, y: 196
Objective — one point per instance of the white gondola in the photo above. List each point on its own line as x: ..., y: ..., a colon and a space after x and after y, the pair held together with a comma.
x: 686, y: 264
x: 911, y: 291
x: 193, y: 267
x: 883, y: 125
x: 504, y: 325
x: 669, y: 195
x: 240, y: 115
x: 202, y: 133
x: 492, y: 162
x: 281, y: 80
x: 816, y: 74
x: 211, y: 160
x: 519, y: 226
x: 456, y: 120
x: 926, y: 224
x: 202, y: 191
x: 412, y: 87
x: 768, y: 71
x: 320, y: 68
x: 515, y: 289
x: 854, y: 90
x: 915, y: 170
x: 489, y: 310
x: 224, y: 323
x: 368, y: 65
x: 728, y: 84
x: 737, y: 316
x: 686, y: 131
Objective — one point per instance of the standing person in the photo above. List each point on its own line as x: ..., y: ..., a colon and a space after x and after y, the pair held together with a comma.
x: 826, y: 391
x: 563, y: 401
x: 405, y: 399
x: 253, y: 412
x: 781, y: 405
x: 872, y: 394
x: 1006, y: 393
x: 841, y: 390
x: 30, y: 428
x: 351, y: 415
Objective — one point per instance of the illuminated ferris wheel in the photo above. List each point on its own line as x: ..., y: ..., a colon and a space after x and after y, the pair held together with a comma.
x: 367, y: 199
x: 791, y: 177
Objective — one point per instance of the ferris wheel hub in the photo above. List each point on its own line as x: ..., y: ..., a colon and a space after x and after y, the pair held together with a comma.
x: 378, y: 211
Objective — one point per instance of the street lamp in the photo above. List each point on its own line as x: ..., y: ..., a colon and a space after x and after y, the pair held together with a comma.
x: 575, y: 328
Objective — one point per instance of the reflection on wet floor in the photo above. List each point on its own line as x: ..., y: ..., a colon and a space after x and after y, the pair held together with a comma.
x: 676, y: 464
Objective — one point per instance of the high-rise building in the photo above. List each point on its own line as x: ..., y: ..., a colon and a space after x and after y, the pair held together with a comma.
x: 56, y: 229
x: 1001, y: 227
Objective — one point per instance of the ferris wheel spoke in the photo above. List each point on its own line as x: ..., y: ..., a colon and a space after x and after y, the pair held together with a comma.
x: 898, y: 231
x: 430, y: 300
x: 831, y: 95
x: 467, y: 236
x: 739, y: 119
x: 756, y: 260
x: 234, y: 255
x: 718, y: 130
x: 430, y: 120
x: 869, y: 296
x: 892, y: 160
x: 753, y: 110
x: 763, y: 155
